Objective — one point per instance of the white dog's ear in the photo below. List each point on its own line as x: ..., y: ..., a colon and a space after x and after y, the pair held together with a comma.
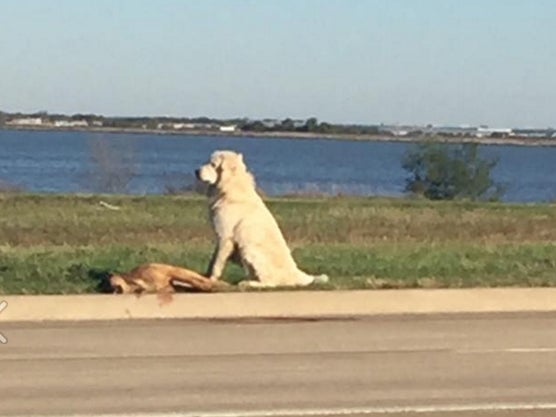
x: 238, y: 163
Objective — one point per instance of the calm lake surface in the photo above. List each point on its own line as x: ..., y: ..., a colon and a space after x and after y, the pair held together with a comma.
x: 61, y: 162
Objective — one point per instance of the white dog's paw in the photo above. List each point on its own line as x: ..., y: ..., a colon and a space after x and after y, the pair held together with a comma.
x: 244, y: 285
x: 321, y: 279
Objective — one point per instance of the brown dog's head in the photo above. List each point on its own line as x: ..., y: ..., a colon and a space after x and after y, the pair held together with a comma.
x: 118, y: 284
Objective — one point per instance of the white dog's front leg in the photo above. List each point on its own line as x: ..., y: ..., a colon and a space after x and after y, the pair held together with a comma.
x: 223, y: 251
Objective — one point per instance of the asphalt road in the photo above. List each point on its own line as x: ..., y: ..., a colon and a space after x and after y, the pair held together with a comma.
x: 457, y: 366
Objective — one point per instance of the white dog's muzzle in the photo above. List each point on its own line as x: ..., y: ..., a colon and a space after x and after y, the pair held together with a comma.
x: 207, y: 174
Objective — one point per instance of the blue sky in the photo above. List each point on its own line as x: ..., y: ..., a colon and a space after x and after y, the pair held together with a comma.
x: 392, y: 61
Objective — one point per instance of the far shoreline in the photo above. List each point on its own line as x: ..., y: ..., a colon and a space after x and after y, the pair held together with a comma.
x: 511, y: 141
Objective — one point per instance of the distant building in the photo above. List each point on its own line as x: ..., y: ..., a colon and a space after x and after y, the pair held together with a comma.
x: 183, y: 126
x: 25, y: 121
x: 399, y: 130
x: 491, y: 131
x: 230, y: 128
x: 451, y: 130
x: 171, y: 126
x: 71, y: 123
x: 535, y: 133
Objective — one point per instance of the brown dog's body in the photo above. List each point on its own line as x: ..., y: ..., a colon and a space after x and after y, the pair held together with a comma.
x: 160, y: 278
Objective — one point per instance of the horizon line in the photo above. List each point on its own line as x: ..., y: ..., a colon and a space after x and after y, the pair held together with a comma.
x: 398, y: 124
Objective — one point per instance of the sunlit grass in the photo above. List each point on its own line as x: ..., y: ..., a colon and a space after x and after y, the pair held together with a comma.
x: 68, y: 243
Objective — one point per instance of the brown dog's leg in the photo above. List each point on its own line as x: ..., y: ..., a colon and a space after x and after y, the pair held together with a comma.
x: 195, y: 283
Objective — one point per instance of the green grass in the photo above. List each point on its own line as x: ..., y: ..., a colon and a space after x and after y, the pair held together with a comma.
x: 52, y: 244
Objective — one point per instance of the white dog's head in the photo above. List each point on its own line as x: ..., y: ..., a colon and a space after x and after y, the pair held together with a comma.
x: 223, y: 166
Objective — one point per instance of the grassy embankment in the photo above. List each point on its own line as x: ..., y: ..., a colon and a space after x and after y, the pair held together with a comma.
x: 65, y: 244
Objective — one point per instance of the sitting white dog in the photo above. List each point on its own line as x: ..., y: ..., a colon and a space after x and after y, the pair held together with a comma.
x: 245, y: 228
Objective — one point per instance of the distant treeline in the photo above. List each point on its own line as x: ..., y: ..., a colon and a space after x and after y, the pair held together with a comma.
x: 117, y: 122
x: 206, y: 123
x: 310, y: 125
x: 238, y: 125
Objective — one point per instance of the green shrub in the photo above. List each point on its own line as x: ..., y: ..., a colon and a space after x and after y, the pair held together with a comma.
x: 446, y: 172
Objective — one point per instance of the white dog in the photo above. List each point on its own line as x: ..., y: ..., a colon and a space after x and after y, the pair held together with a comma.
x: 245, y: 228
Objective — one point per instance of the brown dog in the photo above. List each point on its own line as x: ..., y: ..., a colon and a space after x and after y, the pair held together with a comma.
x: 162, y: 279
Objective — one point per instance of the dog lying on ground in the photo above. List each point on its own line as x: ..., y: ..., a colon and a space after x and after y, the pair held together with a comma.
x: 245, y: 228
x: 161, y: 279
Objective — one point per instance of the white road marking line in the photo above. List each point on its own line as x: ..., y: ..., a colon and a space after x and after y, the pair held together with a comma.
x: 417, y: 409
x: 530, y: 350
x: 509, y: 350
x: 3, y: 305
x: 38, y: 356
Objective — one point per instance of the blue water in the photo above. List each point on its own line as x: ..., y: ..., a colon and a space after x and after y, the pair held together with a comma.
x: 61, y: 162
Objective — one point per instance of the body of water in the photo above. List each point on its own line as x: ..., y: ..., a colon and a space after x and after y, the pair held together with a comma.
x: 48, y: 161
